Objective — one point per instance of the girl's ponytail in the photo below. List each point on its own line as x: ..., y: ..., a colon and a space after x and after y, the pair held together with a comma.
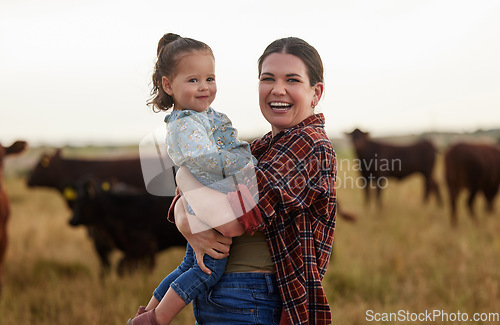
x: 160, y: 100
x: 167, y: 38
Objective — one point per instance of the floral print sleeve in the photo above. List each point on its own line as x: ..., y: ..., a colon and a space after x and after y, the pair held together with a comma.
x: 189, y: 141
x: 207, y: 144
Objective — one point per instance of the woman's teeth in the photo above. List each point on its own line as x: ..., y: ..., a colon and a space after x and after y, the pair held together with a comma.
x: 280, y: 106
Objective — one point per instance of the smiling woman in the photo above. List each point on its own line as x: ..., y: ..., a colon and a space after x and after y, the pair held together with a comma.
x: 285, y: 91
x: 295, y: 213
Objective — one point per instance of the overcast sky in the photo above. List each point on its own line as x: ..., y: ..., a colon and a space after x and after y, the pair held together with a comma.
x: 78, y: 72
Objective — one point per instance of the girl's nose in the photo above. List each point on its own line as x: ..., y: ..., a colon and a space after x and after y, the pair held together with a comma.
x: 203, y: 85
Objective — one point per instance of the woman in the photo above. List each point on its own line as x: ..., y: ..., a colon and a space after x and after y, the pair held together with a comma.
x: 276, y: 266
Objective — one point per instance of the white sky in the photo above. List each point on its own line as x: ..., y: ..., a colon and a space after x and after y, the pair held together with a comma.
x: 78, y: 72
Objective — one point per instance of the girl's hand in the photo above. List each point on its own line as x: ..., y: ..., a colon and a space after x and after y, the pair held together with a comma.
x: 208, y: 242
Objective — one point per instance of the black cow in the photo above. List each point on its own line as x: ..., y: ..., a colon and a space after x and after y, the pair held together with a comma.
x: 134, y: 219
x: 378, y: 161
x: 475, y: 167
x: 54, y: 171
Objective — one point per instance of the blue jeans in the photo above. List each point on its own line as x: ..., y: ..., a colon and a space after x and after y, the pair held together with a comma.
x: 240, y: 298
x: 188, y: 280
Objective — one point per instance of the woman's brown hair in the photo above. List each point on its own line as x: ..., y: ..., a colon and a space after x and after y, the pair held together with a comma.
x: 302, y: 50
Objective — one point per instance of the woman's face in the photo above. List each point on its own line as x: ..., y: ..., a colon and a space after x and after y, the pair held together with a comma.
x: 286, y: 97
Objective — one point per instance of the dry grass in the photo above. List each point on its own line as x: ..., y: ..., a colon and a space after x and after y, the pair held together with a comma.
x: 407, y: 257
x: 51, y: 272
x: 403, y: 257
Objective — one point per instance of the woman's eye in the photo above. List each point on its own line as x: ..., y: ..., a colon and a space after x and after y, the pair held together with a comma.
x: 266, y: 79
x: 293, y: 80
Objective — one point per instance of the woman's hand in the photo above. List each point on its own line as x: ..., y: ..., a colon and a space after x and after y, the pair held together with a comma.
x: 208, y: 242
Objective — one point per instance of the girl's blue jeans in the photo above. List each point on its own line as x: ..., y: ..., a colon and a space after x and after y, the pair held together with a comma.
x: 240, y: 298
x: 188, y: 280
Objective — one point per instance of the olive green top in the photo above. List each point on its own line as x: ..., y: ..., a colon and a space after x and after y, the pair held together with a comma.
x: 249, y: 254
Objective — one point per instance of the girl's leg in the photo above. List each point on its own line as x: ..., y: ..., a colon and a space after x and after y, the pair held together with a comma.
x: 162, y: 288
x: 158, y: 313
x: 169, y: 307
x: 152, y: 304
x: 186, y: 287
x: 195, y: 282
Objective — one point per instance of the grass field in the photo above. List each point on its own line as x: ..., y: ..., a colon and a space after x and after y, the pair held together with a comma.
x: 403, y: 257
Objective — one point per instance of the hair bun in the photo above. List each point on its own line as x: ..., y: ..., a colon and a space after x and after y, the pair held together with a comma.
x: 167, y: 38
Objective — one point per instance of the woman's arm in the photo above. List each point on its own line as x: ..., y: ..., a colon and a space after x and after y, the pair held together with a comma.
x: 210, y: 206
x: 208, y: 242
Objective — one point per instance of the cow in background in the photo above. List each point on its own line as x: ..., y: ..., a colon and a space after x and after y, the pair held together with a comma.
x: 378, y: 161
x: 56, y: 172
x: 347, y: 216
x: 134, y: 219
x: 16, y: 147
x: 475, y: 167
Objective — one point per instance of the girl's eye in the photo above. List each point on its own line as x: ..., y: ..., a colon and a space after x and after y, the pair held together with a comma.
x: 193, y: 80
x: 210, y: 79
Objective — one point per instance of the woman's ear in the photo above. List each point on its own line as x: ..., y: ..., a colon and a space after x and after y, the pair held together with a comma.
x: 318, y: 92
x: 167, y: 86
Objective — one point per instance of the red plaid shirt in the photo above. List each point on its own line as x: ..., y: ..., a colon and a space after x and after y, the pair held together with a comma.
x: 296, y: 174
x: 297, y: 203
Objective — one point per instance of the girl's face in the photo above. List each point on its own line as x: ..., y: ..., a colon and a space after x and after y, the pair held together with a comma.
x: 286, y: 97
x: 193, y: 85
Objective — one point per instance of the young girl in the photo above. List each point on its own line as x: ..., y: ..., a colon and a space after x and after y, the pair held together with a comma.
x: 205, y: 142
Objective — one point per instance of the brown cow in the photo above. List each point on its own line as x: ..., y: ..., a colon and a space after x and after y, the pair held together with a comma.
x: 378, y: 161
x: 475, y: 167
x: 16, y: 147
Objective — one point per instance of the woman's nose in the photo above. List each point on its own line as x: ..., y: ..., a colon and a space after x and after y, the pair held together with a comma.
x: 279, y: 89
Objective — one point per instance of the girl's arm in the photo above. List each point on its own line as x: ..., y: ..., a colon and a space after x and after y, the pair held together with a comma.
x: 189, y: 140
x: 210, y: 206
x: 208, y: 242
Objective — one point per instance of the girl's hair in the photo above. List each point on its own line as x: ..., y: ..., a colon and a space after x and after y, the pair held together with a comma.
x: 302, y: 50
x: 171, y: 49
